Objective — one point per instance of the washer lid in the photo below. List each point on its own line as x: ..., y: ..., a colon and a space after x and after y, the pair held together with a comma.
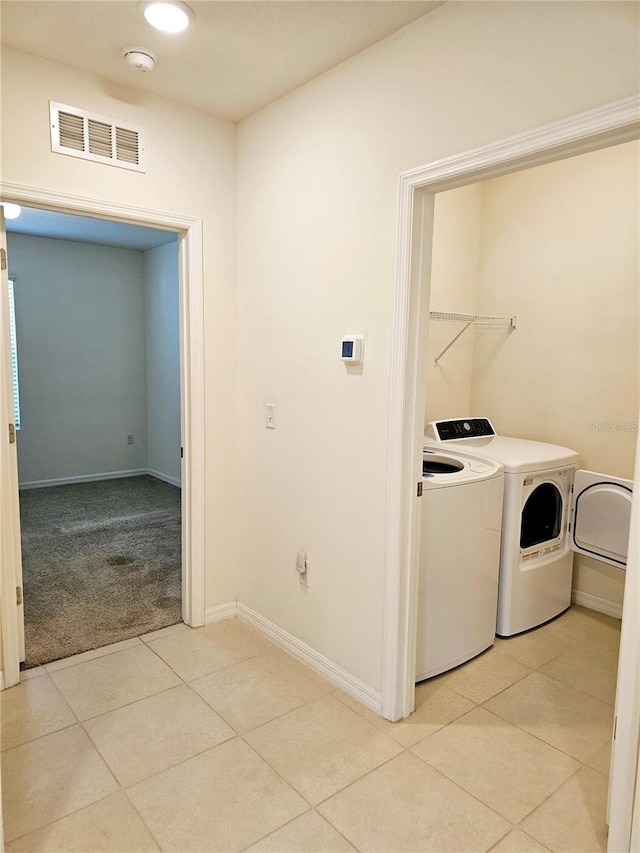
x: 441, y: 469
x: 517, y: 455
x: 601, y: 510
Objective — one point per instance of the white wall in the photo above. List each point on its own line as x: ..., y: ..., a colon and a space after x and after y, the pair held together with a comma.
x: 559, y: 248
x: 454, y: 287
x: 162, y: 343
x: 80, y: 331
x: 317, y: 195
x: 191, y: 170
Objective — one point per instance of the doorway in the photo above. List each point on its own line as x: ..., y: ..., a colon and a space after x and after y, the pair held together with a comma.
x: 98, y: 429
x: 189, y: 231
x: 613, y: 124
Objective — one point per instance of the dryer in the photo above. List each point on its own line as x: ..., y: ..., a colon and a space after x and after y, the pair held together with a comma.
x: 459, y: 560
x: 546, y: 518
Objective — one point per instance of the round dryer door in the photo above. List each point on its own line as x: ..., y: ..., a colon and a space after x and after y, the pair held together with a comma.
x: 601, y: 517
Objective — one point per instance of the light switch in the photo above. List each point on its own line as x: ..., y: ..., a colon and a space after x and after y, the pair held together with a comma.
x: 270, y: 415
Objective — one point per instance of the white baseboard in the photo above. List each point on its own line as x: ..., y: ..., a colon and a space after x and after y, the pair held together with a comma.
x: 313, y: 659
x: 95, y: 478
x: 595, y: 602
x: 84, y: 478
x: 173, y: 481
x: 220, y: 612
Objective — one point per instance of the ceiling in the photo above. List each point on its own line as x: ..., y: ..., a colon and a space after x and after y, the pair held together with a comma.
x: 85, y: 229
x: 237, y: 56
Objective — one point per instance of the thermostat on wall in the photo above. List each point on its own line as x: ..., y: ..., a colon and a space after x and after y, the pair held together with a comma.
x: 351, y: 349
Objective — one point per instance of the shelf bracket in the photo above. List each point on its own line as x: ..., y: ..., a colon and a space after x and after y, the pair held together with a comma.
x: 451, y: 343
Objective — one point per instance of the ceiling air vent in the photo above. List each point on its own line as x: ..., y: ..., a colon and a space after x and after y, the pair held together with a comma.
x: 79, y: 133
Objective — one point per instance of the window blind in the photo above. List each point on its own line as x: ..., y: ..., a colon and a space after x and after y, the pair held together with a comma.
x: 14, y: 355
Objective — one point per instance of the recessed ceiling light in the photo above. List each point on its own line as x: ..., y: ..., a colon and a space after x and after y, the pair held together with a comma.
x: 11, y: 211
x: 173, y: 17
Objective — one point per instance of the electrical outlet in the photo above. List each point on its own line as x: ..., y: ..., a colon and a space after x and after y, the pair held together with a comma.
x: 130, y: 438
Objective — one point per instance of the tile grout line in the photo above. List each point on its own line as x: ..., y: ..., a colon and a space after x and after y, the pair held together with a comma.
x: 169, y: 766
x: 332, y: 692
x: 266, y: 722
x: 127, y: 704
x: 578, y: 689
x: 149, y: 645
x: 546, y: 799
x: 502, y: 690
x: 92, y: 657
x: 236, y: 734
x: 538, y: 738
x: 144, y: 823
x: 311, y: 810
x: 464, y: 790
x: 541, y: 739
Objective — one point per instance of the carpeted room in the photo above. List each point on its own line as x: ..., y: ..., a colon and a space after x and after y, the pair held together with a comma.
x: 97, y: 332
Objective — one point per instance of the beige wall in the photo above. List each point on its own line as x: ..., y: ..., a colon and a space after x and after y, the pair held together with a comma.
x: 454, y: 288
x: 559, y: 249
x: 190, y: 170
x: 317, y: 195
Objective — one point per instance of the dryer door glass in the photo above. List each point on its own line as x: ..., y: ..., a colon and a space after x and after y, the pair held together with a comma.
x: 541, y: 516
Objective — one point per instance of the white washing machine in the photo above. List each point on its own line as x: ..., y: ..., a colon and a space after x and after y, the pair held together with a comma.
x: 551, y: 510
x: 459, y: 560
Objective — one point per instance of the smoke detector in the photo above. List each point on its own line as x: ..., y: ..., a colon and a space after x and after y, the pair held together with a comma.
x: 140, y: 58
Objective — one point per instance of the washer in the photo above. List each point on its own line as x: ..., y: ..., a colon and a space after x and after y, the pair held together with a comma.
x: 544, y: 520
x: 459, y: 559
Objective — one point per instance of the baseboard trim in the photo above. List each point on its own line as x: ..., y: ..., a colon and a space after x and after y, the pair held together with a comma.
x: 84, y: 478
x: 313, y: 659
x: 95, y: 478
x: 173, y: 481
x: 595, y: 602
x: 220, y: 612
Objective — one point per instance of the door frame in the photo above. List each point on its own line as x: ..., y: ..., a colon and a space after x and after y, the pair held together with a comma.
x: 609, y: 125
x: 624, y: 819
x: 10, y: 557
x: 191, y: 296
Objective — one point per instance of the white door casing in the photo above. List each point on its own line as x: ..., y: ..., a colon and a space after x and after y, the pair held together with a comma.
x: 623, y: 812
x: 12, y: 614
x: 609, y: 125
x: 191, y: 395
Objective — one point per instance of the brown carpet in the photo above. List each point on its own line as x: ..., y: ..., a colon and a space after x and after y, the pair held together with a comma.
x: 101, y: 563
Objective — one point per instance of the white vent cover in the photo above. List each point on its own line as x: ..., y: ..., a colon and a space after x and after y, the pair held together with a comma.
x: 79, y: 133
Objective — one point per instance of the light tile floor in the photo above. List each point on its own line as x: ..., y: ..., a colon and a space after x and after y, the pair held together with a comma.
x: 214, y: 740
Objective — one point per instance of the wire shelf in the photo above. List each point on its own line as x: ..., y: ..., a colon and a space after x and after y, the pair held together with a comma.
x: 469, y: 320
x: 475, y: 319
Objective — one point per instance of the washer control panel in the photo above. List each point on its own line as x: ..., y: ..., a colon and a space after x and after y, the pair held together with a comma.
x: 464, y: 428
